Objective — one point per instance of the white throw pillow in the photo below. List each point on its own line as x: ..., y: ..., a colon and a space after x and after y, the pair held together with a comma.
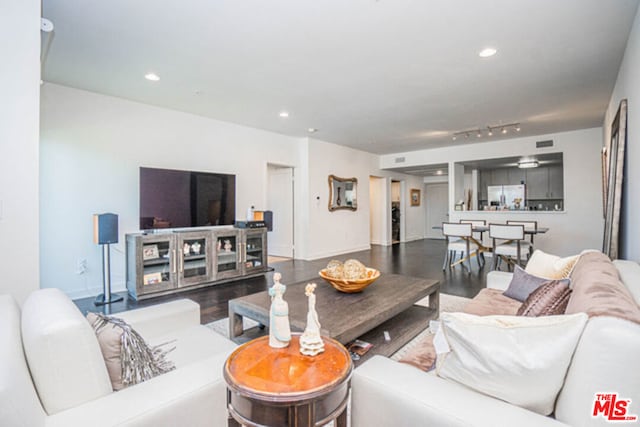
x: 521, y: 360
x: 550, y: 266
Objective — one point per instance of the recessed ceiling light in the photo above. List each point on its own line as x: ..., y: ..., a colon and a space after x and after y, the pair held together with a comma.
x: 284, y: 114
x: 312, y: 130
x: 152, y: 77
x: 487, y: 52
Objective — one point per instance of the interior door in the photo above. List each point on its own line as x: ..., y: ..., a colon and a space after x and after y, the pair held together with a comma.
x: 280, y: 202
x: 437, y: 200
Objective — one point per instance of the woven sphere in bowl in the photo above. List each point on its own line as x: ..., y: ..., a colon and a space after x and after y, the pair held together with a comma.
x: 351, y: 286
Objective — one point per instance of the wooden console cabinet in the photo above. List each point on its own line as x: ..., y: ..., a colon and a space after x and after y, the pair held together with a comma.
x: 166, y: 262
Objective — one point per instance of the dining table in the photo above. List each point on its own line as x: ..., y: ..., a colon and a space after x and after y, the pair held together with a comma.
x: 481, y: 247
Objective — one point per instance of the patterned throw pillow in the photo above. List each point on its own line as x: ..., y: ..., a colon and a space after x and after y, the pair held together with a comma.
x: 523, y: 283
x: 548, y: 300
x: 129, y: 359
x: 550, y: 266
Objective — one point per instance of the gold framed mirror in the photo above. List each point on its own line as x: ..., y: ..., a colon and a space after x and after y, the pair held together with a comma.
x: 342, y: 193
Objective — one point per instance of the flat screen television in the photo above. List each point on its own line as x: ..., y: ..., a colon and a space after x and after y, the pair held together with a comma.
x: 174, y: 198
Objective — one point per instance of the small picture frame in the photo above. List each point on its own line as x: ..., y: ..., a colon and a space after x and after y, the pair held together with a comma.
x: 415, y: 197
x: 152, y: 278
x: 150, y: 252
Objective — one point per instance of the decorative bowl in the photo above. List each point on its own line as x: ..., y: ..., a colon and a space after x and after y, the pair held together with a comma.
x: 351, y: 286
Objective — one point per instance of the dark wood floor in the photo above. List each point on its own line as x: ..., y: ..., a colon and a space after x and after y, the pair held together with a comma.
x: 421, y: 258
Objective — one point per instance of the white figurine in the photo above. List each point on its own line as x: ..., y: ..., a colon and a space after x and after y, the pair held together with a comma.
x: 195, y: 247
x: 186, y: 249
x: 279, y: 330
x: 311, y: 342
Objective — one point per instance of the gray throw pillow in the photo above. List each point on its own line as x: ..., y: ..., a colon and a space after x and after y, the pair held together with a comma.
x: 523, y: 283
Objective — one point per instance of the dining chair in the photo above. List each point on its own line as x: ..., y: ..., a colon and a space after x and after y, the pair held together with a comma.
x: 528, y: 226
x: 458, y: 240
x: 514, y: 246
x: 479, y: 234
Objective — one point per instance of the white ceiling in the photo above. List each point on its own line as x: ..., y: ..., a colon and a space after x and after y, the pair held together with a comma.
x: 381, y: 76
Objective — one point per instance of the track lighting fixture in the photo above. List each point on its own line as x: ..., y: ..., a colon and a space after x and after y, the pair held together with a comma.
x: 488, y: 131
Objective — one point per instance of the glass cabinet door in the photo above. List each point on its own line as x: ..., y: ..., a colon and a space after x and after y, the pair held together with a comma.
x: 255, y: 251
x: 158, y: 264
x: 228, y: 254
x: 194, y: 249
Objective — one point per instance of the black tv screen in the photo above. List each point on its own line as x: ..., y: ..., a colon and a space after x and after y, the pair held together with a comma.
x: 173, y: 198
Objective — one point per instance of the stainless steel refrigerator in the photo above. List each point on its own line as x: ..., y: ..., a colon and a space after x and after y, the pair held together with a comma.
x: 507, y: 196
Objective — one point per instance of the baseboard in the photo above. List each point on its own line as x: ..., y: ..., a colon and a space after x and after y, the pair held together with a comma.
x: 95, y: 291
x: 335, y: 253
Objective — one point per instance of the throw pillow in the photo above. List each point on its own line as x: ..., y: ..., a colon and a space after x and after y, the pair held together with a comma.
x: 550, y: 266
x: 523, y: 283
x: 521, y: 360
x: 549, y: 299
x: 129, y: 359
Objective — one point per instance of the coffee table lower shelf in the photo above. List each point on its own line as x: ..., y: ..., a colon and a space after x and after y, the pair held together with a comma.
x: 402, y: 328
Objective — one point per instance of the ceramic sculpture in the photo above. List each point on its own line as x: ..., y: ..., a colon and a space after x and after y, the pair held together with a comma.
x: 279, y: 330
x: 311, y: 342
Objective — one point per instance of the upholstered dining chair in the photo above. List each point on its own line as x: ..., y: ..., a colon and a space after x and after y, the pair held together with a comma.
x: 479, y: 235
x: 528, y: 226
x: 458, y: 240
x: 513, y: 249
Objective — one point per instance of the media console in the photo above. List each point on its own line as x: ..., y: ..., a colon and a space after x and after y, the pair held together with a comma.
x: 165, y: 262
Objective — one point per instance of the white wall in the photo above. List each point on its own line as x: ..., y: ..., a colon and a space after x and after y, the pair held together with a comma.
x: 332, y: 233
x: 580, y: 225
x: 19, y: 116
x: 628, y: 86
x: 91, y: 149
x: 377, y: 210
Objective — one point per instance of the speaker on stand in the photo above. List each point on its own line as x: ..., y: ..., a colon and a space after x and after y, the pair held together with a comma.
x: 105, y: 232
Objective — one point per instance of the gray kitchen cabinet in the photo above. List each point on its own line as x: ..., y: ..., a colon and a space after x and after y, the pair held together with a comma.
x: 516, y: 176
x: 500, y: 177
x: 556, y: 182
x: 537, y: 183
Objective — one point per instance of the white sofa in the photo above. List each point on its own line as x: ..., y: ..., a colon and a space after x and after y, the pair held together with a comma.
x: 52, y: 372
x: 389, y: 393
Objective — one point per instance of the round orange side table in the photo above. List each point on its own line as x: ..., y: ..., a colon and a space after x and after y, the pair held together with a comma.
x: 279, y: 387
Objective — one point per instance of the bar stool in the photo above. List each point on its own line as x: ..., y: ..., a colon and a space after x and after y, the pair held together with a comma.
x: 462, y: 244
x: 512, y: 249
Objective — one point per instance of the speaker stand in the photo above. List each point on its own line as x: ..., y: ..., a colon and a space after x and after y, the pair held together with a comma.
x: 106, y: 297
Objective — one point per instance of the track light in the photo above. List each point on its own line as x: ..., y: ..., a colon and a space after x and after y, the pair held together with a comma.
x: 504, y: 129
x: 527, y: 164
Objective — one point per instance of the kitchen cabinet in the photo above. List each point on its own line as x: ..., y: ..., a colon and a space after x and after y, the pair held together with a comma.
x: 544, y: 183
x: 556, y: 182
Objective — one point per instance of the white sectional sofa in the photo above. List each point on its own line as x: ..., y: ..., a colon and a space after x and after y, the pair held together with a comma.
x: 52, y: 372
x: 389, y: 393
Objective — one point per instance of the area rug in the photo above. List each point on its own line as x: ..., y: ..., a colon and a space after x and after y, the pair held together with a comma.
x: 448, y: 303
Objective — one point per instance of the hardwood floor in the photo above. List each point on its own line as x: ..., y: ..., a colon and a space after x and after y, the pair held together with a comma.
x: 420, y: 258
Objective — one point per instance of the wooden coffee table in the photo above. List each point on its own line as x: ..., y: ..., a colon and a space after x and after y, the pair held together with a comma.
x: 385, y: 305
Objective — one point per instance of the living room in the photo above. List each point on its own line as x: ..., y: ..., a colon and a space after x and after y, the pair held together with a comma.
x: 72, y: 149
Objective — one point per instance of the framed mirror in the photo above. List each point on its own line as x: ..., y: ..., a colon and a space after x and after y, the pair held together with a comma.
x: 342, y: 193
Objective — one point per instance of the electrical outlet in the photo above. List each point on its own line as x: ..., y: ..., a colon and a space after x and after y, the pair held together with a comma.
x: 81, y: 266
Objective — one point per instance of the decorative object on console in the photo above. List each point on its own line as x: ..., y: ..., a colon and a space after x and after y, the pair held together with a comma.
x: 340, y: 188
x: 227, y: 246
x: 105, y: 232
x: 311, y: 342
x: 486, y: 355
x: 279, y: 329
x: 350, y: 277
x: 186, y: 249
x: 195, y: 247
x: 129, y: 359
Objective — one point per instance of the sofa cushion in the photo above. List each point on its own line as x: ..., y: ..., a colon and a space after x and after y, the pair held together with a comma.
x: 550, y: 266
x: 488, y: 301
x: 509, y: 357
x: 523, y: 283
x: 598, y: 290
x: 62, y: 352
x: 128, y: 358
x: 549, y: 299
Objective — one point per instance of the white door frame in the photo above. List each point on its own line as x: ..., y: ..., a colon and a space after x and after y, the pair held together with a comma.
x: 271, y: 166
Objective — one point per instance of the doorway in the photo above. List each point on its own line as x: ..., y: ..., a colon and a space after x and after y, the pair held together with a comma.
x: 396, y: 211
x: 280, y: 202
x: 437, y: 201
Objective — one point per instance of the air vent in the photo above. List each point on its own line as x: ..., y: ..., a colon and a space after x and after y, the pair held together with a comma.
x: 543, y: 144
x: 400, y: 159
